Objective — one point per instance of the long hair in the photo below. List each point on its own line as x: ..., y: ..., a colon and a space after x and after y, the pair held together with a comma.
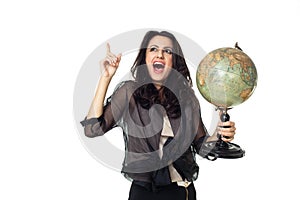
x: 177, y: 85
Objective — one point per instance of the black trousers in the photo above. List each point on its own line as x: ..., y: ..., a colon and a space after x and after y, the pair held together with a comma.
x: 169, y: 192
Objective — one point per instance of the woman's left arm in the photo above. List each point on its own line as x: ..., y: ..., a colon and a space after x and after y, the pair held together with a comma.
x: 225, y: 129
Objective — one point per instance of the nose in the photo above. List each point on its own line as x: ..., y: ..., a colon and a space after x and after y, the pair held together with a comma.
x: 160, y: 53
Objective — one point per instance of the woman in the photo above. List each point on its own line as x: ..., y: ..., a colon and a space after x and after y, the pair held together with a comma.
x: 160, y: 117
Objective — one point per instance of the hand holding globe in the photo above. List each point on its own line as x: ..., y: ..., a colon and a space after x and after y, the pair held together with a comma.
x: 226, y: 77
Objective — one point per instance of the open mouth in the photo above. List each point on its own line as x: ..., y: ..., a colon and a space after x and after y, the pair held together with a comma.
x: 158, y: 67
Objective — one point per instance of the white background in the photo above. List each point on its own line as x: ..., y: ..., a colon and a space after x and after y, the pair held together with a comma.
x: 43, y: 45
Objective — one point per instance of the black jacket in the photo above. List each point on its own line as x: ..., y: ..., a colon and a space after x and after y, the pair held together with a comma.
x: 142, y: 128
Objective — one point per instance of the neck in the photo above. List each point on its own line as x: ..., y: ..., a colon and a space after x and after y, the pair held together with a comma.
x: 157, y: 85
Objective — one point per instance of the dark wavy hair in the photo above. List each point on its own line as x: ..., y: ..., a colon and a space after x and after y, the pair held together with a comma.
x: 176, y: 88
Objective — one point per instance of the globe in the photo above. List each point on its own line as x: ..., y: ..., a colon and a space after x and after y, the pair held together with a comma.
x: 226, y: 77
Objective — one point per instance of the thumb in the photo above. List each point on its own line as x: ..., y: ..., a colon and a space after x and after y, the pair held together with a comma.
x: 119, y: 57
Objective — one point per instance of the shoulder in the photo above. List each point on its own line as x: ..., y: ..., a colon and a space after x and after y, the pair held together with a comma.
x: 125, y: 88
x: 189, y: 97
x: 126, y: 85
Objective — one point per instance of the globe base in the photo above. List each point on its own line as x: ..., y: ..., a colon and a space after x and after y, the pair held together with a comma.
x: 221, y: 149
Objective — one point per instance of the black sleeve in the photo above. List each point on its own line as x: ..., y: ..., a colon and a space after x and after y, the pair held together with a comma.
x: 202, y: 134
x: 112, y: 113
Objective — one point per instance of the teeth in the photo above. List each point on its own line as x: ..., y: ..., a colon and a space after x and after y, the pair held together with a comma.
x: 158, y: 63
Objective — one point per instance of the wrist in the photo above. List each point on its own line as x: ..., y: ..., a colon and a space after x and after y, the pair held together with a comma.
x: 106, y: 77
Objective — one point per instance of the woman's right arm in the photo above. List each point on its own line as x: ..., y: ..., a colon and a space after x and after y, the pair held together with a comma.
x: 110, y: 64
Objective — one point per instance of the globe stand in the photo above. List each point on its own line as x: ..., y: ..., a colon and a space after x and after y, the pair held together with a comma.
x: 221, y: 149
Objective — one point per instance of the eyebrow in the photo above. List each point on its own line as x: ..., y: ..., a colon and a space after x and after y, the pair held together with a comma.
x: 166, y: 47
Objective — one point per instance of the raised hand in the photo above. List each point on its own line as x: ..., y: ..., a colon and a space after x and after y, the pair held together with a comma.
x: 110, y: 63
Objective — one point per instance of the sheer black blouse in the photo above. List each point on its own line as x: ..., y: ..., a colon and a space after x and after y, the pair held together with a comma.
x: 142, y: 131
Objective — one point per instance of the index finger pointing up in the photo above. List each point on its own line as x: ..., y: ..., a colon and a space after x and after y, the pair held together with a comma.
x: 107, y: 48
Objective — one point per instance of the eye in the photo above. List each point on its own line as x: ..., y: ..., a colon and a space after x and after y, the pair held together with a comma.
x: 153, y: 49
x: 168, y: 51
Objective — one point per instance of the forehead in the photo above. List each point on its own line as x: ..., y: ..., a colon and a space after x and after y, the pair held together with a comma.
x: 161, y: 41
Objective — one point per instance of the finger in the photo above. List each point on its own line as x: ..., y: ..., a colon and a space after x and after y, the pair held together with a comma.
x: 227, y: 134
x: 228, y: 123
x: 119, y: 57
x: 112, y: 57
x: 115, y: 60
x: 227, y: 139
x: 227, y: 129
x: 107, y: 48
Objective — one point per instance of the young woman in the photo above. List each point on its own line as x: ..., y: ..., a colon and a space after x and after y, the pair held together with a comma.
x: 160, y: 117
